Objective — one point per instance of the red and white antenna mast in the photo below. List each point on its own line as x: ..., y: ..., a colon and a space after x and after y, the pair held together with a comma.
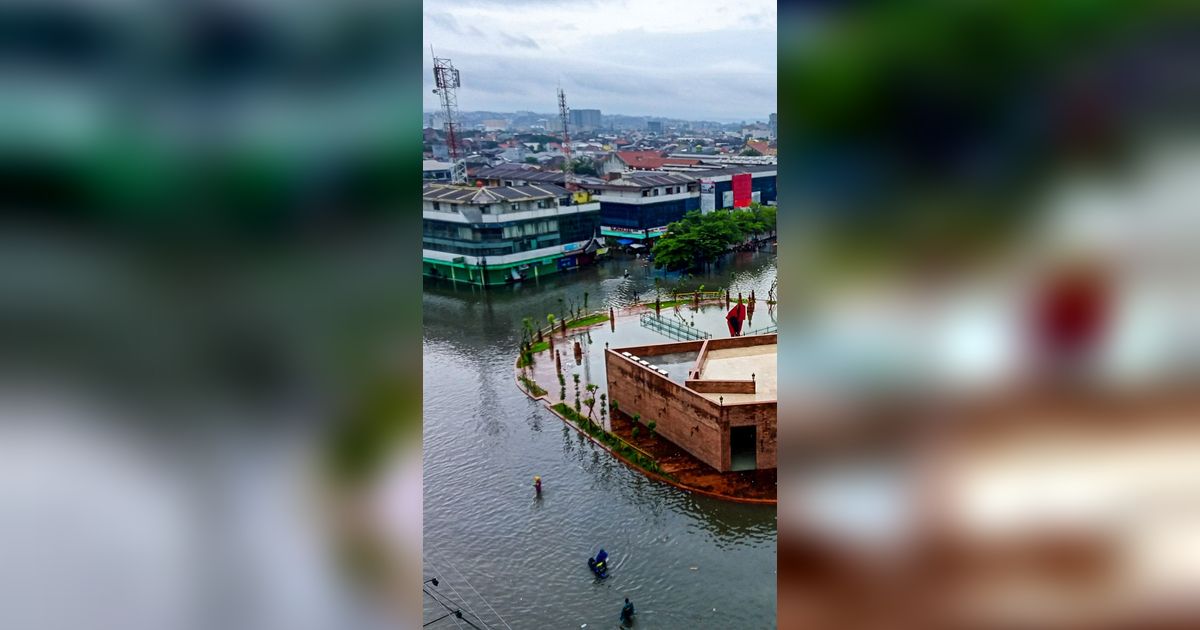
x: 568, y: 167
x: 446, y: 78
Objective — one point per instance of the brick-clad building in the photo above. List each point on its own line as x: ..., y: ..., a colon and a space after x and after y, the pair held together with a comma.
x: 714, y: 398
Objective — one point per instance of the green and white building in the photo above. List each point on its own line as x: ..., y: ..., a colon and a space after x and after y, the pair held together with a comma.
x: 502, y: 234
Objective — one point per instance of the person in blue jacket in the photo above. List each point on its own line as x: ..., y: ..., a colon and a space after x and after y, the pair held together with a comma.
x: 598, y: 564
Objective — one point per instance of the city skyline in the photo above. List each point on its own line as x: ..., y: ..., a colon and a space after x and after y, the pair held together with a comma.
x: 719, y: 64
x: 551, y: 116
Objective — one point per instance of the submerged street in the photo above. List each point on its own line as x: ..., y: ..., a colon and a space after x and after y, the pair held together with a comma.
x: 515, y: 560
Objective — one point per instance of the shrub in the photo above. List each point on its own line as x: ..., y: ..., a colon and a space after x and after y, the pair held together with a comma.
x: 532, y: 386
x: 635, y: 432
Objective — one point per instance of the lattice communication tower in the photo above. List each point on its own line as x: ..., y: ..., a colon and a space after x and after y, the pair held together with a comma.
x: 568, y: 166
x: 446, y: 78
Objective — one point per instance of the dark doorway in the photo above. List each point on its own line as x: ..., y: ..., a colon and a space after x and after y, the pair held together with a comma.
x: 742, y: 448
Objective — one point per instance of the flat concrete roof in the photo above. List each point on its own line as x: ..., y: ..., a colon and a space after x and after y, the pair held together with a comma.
x: 739, y: 364
x: 742, y: 362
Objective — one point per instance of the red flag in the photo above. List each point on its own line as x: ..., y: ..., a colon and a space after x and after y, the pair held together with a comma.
x: 736, y: 316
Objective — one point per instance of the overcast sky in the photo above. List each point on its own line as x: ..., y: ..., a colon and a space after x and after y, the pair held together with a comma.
x: 690, y: 59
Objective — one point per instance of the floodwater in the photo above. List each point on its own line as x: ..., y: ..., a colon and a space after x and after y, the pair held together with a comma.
x: 516, y: 561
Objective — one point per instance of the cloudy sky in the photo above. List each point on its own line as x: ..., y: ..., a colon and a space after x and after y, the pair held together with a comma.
x: 690, y: 59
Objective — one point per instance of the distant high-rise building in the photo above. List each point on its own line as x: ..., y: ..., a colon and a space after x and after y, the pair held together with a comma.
x: 585, y: 118
x: 774, y: 126
x: 654, y: 126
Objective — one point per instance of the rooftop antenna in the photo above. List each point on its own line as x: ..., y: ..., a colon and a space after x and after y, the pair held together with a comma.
x: 446, y: 77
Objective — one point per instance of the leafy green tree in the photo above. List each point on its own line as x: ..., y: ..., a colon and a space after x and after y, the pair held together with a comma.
x: 697, y: 238
x: 583, y: 166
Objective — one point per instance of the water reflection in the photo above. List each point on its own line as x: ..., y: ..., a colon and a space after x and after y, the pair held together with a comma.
x: 480, y: 519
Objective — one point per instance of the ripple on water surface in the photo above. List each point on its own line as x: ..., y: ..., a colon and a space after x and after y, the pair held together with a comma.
x: 520, y: 561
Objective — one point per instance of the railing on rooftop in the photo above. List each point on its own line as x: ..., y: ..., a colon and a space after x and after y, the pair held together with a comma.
x: 672, y: 328
x: 766, y: 330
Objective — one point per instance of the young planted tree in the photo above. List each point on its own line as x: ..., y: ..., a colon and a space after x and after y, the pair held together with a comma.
x: 590, y: 401
x: 527, y: 325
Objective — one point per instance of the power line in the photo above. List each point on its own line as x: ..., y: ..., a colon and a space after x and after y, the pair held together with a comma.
x: 430, y: 623
x: 434, y: 598
x: 457, y: 612
x: 435, y: 594
x: 477, y: 593
x: 429, y: 560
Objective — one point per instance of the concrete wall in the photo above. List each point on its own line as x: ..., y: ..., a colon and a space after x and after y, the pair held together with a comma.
x: 683, y: 417
x: 693, y: 422
x: 742, y: 342
x: 764, y: 416
x: 721, y: 387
